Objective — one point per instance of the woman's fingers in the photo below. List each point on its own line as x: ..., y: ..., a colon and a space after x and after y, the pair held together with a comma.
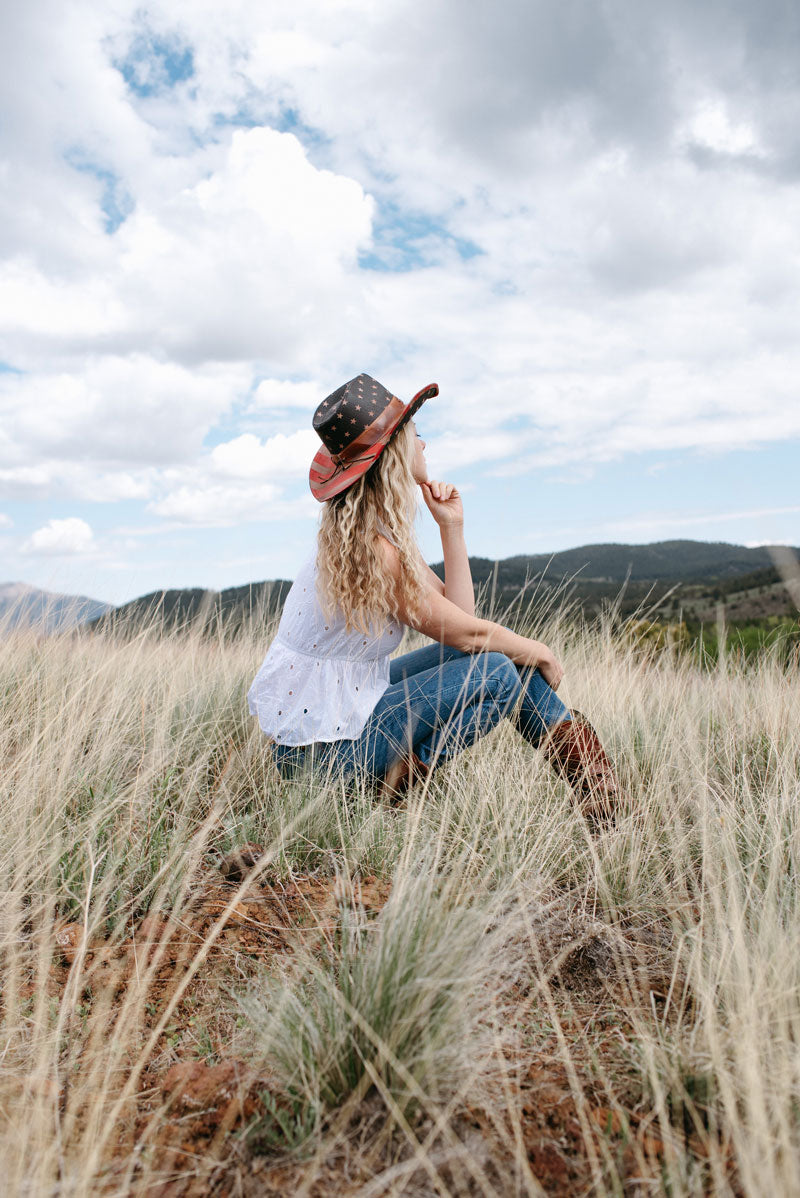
x: 551, y: 669
x: 443, y: 502
x: 552, y: 675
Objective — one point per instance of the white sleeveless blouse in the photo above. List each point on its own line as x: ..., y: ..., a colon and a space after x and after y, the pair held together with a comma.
x: 319, y: 682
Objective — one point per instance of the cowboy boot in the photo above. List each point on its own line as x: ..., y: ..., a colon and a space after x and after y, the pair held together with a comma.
x: 400, y: 776
x: 574, y: 751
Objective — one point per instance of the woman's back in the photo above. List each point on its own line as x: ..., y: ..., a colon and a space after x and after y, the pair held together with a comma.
x: 319, y: 682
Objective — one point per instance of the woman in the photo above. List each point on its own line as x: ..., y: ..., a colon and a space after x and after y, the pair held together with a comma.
x: 327, y: 688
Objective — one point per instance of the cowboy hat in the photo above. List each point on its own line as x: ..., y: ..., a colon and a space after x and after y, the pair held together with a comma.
x: 356, y: 423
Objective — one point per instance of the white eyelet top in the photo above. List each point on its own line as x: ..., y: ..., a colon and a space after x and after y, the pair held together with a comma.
x: 319, y: 682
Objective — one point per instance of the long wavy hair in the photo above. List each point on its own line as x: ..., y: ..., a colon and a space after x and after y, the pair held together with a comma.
x: 350, y: 569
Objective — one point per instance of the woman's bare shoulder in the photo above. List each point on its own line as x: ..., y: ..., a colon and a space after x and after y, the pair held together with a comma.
x: 391, y: 558
x: 388, y: 551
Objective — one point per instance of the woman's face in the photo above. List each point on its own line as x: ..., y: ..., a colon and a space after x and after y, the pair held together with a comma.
x: 420, y: 466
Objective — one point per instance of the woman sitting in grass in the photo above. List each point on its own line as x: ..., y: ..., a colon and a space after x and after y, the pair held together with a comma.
x: 327, y: 689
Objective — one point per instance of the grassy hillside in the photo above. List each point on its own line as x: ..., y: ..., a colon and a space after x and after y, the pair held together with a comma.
x: 662, y: 561
x: 237, y: 608
x: 466, y: 995
x: 661, y: 579
x: 670, y: 580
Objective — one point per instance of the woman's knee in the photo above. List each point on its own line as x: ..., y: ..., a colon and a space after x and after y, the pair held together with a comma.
x: 419, y: 660
x: 501, y: 675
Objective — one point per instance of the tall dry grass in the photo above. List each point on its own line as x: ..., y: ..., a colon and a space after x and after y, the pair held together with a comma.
x: 128, y: 762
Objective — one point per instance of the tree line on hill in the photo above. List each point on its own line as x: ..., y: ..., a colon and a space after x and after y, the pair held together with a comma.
x: 626, y: 579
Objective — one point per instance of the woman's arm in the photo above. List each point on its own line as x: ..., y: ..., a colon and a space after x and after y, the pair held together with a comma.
x: 449, y: 625
x: 457, y: 574
x: 434, y: 581
x: 444, y: 504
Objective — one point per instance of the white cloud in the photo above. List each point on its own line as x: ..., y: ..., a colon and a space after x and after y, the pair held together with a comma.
x: 6, y: 521
x: 279, y: 457
x: 279, y: 393
x: 213, y: 505
x: 246, y: 256
x: 452, y: 450
x: 76, y: 480
x: 713, y: 127
x: 652, y: 525
x: 218, y: 505
x: 69, y: 537
x: 240, y: 481
x: 26, y: 481
x: 135, y: 411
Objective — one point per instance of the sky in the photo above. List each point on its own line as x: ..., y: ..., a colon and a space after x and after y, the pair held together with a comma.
x: 581, y: 218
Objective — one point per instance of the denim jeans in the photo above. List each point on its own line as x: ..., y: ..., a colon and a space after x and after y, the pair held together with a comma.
x: 438, y: 702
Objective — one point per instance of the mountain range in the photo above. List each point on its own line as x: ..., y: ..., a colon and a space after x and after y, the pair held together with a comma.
x: 660, y: 575
x: 667, y: 577
x: 24, y: 606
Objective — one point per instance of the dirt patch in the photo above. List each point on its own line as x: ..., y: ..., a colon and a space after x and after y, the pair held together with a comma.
x: 569, y: 1110
x: 192, y: 1098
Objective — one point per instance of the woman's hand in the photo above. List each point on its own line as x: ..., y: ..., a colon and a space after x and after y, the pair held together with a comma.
x: 547, y: 664
x: 443, y: 502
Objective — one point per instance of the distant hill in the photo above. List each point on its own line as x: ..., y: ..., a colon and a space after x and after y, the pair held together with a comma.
x: 662, y: 561
x: 23, y: 606
x: 665, y: 577
x: 194, y: 607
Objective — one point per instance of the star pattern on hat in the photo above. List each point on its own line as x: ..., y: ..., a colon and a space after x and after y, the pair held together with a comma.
x: 344, y: 415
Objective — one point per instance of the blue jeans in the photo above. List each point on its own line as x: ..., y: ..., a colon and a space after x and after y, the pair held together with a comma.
x: 438, y: 702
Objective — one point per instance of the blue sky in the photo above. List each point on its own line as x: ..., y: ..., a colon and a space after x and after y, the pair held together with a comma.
x: 581, y: 225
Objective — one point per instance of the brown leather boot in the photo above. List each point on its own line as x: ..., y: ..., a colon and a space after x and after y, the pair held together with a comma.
x: 400, y: 777
x: 574, y: 751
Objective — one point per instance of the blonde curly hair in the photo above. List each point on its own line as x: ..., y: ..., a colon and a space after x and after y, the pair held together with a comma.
x: 350, y: 568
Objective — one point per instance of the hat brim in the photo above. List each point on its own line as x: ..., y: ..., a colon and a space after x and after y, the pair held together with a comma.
x: 328, y: 478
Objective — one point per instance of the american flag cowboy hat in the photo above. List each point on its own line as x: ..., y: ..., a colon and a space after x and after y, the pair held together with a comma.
x: 356, y: 423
